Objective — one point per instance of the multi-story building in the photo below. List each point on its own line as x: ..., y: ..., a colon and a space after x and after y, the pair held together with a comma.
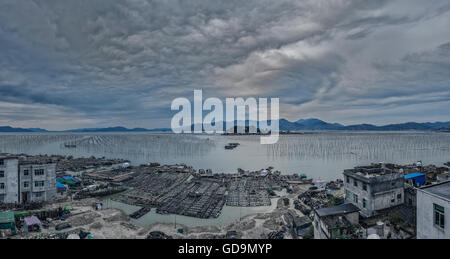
x: 433, y: 211
x: 9, y: 183
x: 37, y: 182
x: 374, y: 188
x: 22, y: 181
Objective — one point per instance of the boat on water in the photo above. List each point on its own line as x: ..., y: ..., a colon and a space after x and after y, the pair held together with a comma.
x: 232, y: 146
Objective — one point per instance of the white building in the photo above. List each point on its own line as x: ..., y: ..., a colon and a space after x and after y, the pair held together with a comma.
x: 374, y: 188
x: 9, y: 180
x: 22, y: 182
x: 433, y: 211
x: 37, y: 182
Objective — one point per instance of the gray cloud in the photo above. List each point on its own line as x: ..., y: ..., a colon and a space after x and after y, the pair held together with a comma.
x: 88, y: 63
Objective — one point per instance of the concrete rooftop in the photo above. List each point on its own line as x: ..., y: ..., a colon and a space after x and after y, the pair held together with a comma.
x: 441, y: 189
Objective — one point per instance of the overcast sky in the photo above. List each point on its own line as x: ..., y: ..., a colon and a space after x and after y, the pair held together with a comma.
x: 94, y: 63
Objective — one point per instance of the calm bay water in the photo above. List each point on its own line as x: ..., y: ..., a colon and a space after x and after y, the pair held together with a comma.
x: 321, y: 155
x: 318, y: 154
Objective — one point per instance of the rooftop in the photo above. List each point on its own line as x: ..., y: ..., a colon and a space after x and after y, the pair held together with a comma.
x: 337, y: 210
x: 440, y: 189
x: 7, y: 217
x: 7, y: 156
x: 413, y: 175
x: 374, y: 172
x: 32, y: 161
x: 302, y: 221
x: 33, y: 220
x: 337, y: 222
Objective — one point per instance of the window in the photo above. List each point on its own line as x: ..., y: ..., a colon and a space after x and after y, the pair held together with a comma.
x: 2, y: 174
x: 2, y: 162
x: 38, y: 194
x: 26, y: 172
x: 348, y: 179
x: 347, y: 194
x: 364, y: 187
x: 355, y: 183
x: 2, y: 186
x: 39, y: 184
x: 364, y: 203
x: 355, y: 198
x: 439, y: 216
x: 399, y: 196
x: 26, y: 184
x: 39, y: 172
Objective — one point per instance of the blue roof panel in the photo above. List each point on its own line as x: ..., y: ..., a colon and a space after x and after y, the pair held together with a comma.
x: 413, y: 175
x: 60, y: 185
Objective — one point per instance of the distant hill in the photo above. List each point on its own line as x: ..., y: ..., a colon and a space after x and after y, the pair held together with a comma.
x: 316, y: 124
x: 11, y: 129
x: 302, y: 125
x: 320, y: 125
x: 361, y: 127
x: 284, y: 125
x: 38, y: 130
x: 85, y: 130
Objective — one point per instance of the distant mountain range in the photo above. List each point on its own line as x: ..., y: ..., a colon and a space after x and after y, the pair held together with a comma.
x: 284, y: 125
x: 11, y: 129
x: 316, y: 124
x: 85, y: 130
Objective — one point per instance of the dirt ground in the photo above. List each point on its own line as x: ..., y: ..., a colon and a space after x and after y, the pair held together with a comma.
x: 254, y: 226
x: 103, y: 224
x: 115, y: 224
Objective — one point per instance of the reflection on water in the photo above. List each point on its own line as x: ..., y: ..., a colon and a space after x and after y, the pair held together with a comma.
x: 318, y: 154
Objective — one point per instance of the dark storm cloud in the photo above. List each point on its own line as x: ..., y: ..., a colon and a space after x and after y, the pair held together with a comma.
x: 108, y: 62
